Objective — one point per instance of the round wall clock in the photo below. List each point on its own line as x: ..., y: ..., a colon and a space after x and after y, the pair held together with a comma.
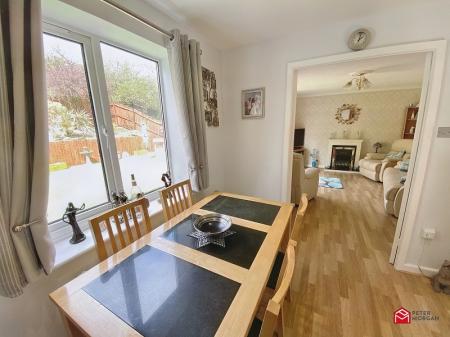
x: 359, y: 39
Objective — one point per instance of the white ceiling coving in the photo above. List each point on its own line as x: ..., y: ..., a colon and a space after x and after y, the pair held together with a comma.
x: 233, y: 23
x: 393, y: 72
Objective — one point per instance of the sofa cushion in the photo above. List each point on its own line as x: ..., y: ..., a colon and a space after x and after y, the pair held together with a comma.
x: 370, y: 164
x: 395, y: 155
x: 403, y: 165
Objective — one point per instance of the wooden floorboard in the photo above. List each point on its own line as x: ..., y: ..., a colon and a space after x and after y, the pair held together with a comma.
x: 344, y: 284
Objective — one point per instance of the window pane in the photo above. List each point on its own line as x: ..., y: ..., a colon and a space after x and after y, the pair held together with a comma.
x: 76, y: 171
x: 135, y: 105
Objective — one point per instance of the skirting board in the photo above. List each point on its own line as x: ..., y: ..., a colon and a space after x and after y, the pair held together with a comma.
x: 413, y: 268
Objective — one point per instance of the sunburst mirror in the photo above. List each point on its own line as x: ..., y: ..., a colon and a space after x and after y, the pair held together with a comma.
x: 347, y: 114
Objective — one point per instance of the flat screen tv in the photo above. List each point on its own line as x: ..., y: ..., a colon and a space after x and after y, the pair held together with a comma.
x: 299, y: 137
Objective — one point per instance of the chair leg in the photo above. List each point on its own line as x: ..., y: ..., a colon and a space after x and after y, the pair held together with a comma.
x: 280, y: 324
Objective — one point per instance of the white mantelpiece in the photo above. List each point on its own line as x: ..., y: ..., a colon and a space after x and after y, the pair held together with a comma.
x: 346, y: 142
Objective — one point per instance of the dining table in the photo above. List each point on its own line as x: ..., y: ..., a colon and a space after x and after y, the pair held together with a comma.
x: 163, y: 285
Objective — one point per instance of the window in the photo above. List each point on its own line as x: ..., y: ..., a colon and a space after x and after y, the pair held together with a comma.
x: 106, y: 122
x: 76, y: 170
x: 135, y: 106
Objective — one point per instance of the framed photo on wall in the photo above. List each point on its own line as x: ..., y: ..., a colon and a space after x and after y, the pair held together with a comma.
x: 210, y: 97
x: 253, y: 101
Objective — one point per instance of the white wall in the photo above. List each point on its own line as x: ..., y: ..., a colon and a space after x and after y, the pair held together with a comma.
x: 381, y: 119
x: 254, y: 147
x: 32, y: 314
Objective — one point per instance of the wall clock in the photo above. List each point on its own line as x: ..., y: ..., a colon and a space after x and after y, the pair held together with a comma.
x: 359, y: 39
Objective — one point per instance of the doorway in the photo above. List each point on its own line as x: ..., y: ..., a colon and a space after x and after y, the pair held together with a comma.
x: 428, y: 108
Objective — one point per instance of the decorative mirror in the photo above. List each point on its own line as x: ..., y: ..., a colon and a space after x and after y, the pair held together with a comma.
x: 347, y: 114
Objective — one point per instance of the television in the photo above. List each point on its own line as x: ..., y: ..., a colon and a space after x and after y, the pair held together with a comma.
x: 299, y: 138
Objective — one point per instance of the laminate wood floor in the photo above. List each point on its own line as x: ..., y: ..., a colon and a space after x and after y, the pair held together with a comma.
x: 344, y: 284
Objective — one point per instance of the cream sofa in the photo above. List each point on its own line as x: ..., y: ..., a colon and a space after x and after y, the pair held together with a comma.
x: 303, y: 180
x: 393, y: 190
x: 374, y: 165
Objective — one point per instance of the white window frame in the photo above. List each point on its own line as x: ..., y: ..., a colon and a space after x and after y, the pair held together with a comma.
x: 99, y: 95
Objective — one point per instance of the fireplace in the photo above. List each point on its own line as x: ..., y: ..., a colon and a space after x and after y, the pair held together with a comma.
x: 343, y: 157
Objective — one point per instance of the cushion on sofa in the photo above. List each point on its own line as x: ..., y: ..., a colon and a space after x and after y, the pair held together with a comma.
x: 395, y: 155
x: 403, y: 165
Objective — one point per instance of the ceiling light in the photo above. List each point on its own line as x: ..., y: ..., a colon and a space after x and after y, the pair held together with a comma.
x: 359, y: 81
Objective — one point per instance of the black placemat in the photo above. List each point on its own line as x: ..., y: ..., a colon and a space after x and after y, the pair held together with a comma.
x: 244, y: 209
x: 241, y: 247
x: 160, y: 295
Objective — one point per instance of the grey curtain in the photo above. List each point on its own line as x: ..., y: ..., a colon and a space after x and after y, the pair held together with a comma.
x: 23, y: 148
x: 186, y: 70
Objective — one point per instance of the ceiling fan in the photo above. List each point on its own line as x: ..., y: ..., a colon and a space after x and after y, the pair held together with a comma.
x: 359, y: 80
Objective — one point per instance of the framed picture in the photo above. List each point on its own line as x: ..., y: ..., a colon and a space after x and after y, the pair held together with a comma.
x: 210, y: 97
x: 253, y: 103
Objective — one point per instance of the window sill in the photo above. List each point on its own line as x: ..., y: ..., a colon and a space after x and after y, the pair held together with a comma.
x: 67, y: 252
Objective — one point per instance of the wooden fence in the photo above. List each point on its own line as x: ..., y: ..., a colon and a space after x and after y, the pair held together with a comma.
x: 73, y: 151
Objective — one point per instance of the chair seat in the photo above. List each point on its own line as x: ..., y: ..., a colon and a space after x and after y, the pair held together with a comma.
x: 255, y: 329
x: 275, y: 273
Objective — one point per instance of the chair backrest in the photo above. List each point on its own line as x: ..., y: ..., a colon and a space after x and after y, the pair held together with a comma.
x: 121, y: 225
x: 298, y: 177
x: 176, y: 198
x: 273, y: 316
x: 402, y: 145
x: 295, y: 232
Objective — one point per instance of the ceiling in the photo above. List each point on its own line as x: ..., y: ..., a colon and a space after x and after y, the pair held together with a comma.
x: 391, y: 72
x: 233, y: 23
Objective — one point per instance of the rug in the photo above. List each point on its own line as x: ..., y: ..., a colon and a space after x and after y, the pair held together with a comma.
x: 330, y: 182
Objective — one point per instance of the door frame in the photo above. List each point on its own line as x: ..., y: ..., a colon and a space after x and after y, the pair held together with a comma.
x: 422, y: 143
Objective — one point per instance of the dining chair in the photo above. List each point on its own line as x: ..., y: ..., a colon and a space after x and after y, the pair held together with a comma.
x: 273, y: 320
x: 121, y: 225
x: 176, y: 198
x: 295, y: 232
x: 294, y: 235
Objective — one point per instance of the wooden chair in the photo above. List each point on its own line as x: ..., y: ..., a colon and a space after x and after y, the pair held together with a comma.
x: 273, y: 316
x: 176, y: 198
x: 294, y: 234
x: 131, y: 219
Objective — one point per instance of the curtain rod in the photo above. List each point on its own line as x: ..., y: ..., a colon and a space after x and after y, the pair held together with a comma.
x: 139, y: 18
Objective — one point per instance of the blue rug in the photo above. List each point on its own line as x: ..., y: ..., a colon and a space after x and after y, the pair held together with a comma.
x: 330, y: 182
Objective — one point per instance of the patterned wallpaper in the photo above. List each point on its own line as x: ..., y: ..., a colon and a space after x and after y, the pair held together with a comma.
x: 381, y: 119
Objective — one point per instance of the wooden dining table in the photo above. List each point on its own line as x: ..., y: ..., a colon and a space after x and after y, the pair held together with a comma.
x: 163, y: 285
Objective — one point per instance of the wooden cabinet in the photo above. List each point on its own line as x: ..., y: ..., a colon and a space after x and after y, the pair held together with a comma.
x: 410, y: 122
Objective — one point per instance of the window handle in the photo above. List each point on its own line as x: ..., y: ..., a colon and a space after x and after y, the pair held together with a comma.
x: 105, y: 133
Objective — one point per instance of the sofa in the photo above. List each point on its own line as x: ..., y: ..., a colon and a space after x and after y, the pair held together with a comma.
x: 303, y: 180
x: 393, y: 190
x: 373, y: 165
